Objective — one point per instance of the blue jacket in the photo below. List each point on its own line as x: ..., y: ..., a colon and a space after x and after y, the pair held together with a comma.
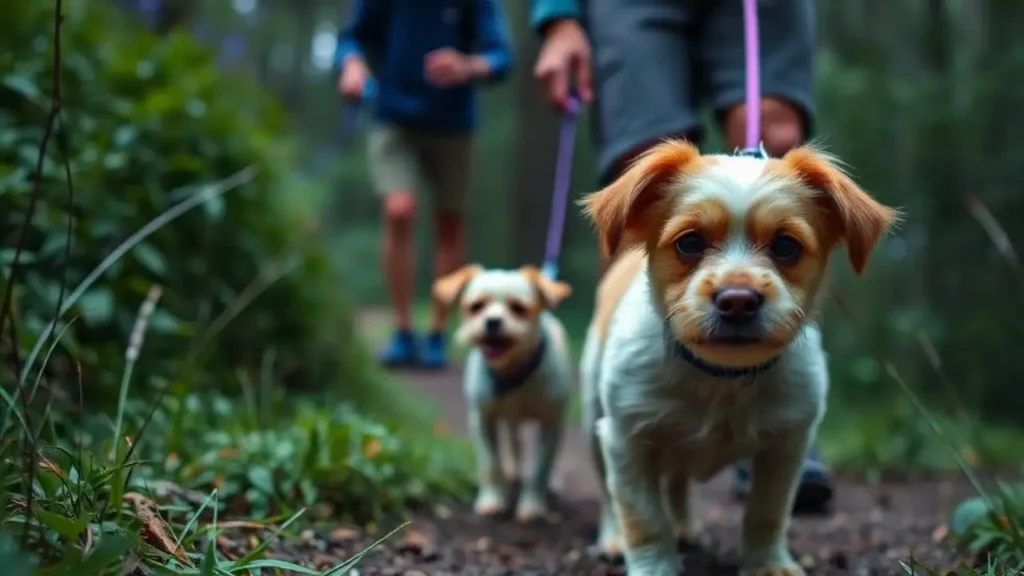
x: 396, y: 35
x: 544, y: 11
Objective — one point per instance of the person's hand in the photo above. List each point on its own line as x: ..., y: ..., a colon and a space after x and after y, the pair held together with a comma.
x: 353, y: 79
x: 564, y: 58
x: 447, y: 67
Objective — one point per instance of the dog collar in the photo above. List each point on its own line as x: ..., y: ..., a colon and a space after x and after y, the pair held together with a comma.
x: 714, y: 370
x: 505, y: 383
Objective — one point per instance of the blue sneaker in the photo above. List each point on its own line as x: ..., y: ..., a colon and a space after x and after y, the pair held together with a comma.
x: 813, y: 495
x: 401, y: 350
x: 434, y: 354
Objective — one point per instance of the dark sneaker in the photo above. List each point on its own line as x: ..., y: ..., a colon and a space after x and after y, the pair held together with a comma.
x: 813, y: 495
x: 434, y: 354
x: 401, y: 350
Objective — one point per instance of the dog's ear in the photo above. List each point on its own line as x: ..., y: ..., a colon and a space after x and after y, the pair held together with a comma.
x: 552, y: 292
x: 854, y: 216
x: 621, y: 211
x: 448, y: 288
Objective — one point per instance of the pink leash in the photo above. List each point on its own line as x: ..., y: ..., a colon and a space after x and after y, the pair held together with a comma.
x: 753, y: 64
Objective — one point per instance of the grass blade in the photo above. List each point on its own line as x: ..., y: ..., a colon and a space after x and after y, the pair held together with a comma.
x: 211, y: 191
x: 131, y: 356
x: 353, y: 561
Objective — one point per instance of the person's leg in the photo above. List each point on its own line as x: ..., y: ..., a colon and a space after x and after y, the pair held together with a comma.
x: 395, y: 173
x: 643, y: 80
x: 786, y: 31
x: 447, y: 159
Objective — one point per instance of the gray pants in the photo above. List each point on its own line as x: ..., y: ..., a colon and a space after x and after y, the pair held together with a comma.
x: 656, y: 62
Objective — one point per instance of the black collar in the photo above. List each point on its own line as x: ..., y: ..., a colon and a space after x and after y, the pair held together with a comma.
x: 505, y: 383
x: 714, y: 370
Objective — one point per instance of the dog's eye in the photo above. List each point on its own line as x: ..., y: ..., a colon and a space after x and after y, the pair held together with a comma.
x: 476, y: 307
x: 691, y: 244
x: 517, y: 309
x: 785, y: 249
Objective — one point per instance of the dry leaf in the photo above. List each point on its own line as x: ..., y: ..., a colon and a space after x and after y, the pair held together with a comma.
x: 240, y: 524
x: 343, y: 535
x: 227, y: 547
x: 418, y: 543
x: 45, y: 464
x: 153, y: 529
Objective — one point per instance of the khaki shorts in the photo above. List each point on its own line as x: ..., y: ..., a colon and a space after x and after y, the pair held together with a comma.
x: 405, y: 159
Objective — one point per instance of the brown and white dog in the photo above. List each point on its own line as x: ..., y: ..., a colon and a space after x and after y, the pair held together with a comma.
x: 702, y: 350
x: 518, y: 370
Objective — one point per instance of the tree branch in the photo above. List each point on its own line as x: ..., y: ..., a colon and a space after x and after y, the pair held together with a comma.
x: 37, y: 181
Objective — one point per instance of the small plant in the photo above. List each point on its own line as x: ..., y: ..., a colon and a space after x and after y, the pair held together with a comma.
x: 79, y: 498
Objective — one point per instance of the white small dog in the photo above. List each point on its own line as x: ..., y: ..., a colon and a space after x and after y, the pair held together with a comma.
x: 518, y: 370
x: 702, y: 349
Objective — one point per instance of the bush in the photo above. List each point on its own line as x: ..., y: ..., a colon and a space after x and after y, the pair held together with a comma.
x: 250, y: 301
x: 145, y: 120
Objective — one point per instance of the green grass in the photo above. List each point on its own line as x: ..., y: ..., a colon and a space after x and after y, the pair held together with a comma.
x: 78, y: 491
x: 152, y: 481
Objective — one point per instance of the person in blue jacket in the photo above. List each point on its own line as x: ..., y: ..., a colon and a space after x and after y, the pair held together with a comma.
x: 655, y: 62
x: 427, y: 56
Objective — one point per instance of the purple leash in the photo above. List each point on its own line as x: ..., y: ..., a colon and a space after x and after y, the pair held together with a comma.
x: 754, y: 146
x: 351, y: 112
x: 560, y: 197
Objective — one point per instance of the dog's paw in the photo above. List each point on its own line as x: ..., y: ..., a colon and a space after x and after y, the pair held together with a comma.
x: 489, y: 502
x: 531, y: 507
x: 611, y: 549
x: 772, y: 560
x: 687, y: 535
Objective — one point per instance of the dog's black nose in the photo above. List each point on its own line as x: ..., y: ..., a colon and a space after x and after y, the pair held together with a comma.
x: 737, y: 304
x: 492, y: 325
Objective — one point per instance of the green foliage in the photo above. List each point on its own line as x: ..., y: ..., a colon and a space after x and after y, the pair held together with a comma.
x: 250, y: 301
x: 893, y: 439
x: 90, y: 504
x: 993, y: 528
x: 146, y: 119
x: 309, y: 454
x: 990, y: 527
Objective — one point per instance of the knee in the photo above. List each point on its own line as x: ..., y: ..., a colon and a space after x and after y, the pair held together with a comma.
x: 400, y: 210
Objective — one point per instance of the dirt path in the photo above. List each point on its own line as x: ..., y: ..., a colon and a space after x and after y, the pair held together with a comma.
x: 872, y: 528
